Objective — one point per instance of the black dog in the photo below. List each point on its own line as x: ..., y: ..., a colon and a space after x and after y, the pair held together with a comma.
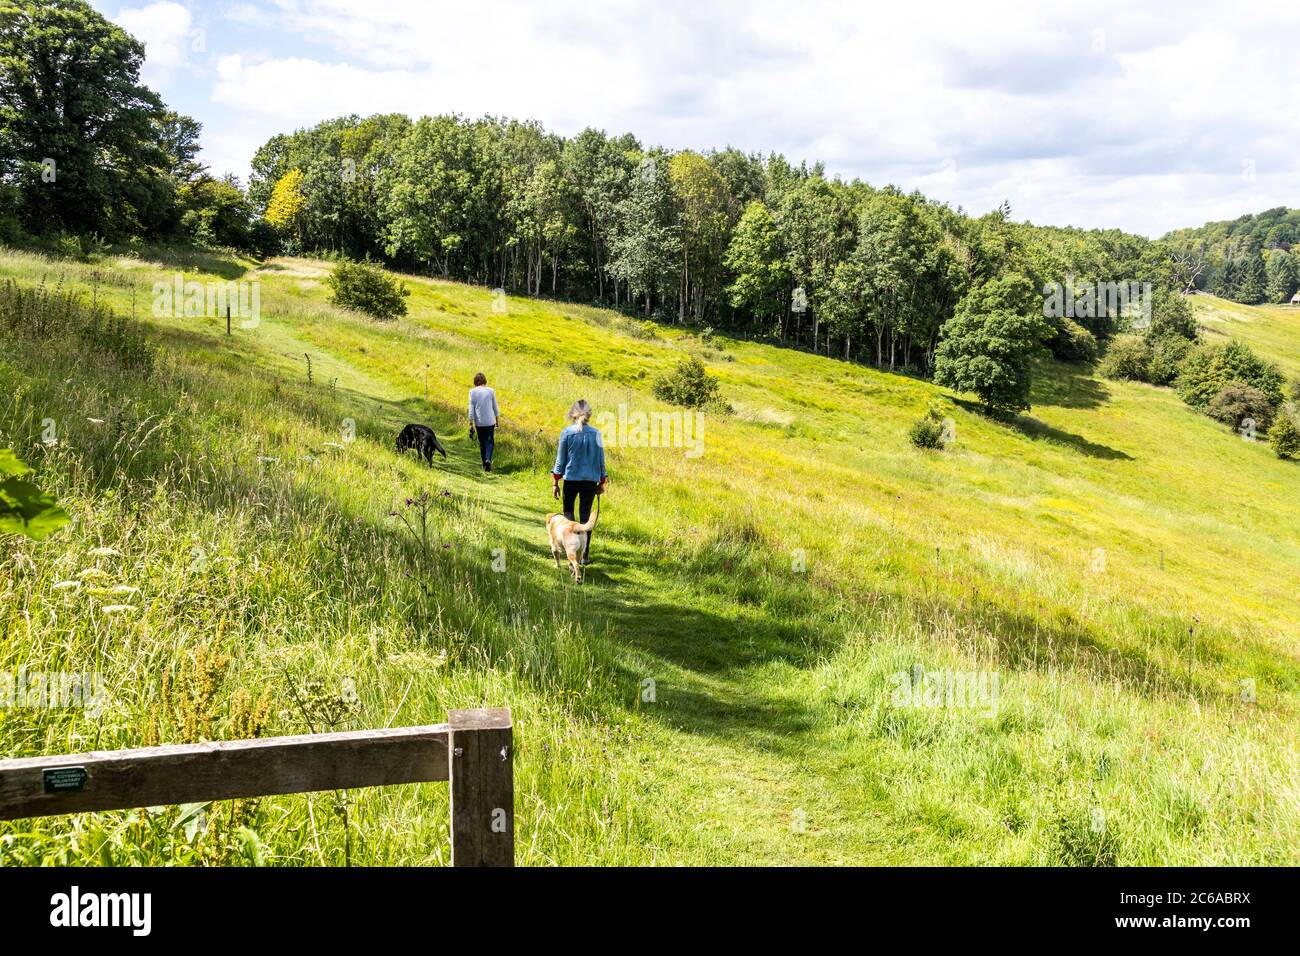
x: 422, y: 439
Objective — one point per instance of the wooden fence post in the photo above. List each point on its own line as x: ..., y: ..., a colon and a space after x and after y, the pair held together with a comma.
x: 480, y: 752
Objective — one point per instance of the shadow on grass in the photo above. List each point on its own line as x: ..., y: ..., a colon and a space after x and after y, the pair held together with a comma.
x: 1068, y: 385
x: 1037, y: 430
x: 202, y: 260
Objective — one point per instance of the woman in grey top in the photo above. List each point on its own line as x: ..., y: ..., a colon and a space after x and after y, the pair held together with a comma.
x: 483, y: 417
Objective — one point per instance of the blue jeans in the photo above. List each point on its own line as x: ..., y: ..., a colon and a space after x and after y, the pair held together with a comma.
x: 486, y: 441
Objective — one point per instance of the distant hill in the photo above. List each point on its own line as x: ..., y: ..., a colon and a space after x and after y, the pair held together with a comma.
x: 1270, y: 229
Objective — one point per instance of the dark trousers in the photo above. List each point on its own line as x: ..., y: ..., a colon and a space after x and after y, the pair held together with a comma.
x: 486, y: 441
x: 584, y: 492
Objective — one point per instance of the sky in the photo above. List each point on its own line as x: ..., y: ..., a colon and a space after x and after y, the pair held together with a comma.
x: 1146, y: 117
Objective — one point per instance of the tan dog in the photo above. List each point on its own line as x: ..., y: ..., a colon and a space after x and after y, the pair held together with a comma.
x: 571, y: 538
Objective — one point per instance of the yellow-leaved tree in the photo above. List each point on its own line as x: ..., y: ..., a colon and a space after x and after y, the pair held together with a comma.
x: 286, y: 203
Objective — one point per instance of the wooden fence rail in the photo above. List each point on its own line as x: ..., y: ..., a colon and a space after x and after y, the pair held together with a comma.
x: 473, y: 752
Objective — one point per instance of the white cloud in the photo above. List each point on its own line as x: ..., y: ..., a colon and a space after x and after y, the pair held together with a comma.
x: 169, y: 35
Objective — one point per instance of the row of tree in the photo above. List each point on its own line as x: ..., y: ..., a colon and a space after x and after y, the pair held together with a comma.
x: 734, y: 241
x: 1251, y: 259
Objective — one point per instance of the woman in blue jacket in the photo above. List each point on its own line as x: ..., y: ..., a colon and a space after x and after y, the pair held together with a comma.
x: 580, y: 462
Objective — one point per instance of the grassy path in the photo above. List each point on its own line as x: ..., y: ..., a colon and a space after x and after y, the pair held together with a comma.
x: 729, y: 743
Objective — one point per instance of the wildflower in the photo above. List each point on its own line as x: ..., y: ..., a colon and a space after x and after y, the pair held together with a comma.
x: 92, y: 573
x: 104, y: 552
x: 123, y: 589
x: 349, y: 693
x: 67, y: 585
x: 117, y: 608
x: 95, y: 421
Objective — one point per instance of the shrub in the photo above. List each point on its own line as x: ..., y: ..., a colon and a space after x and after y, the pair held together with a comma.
x: 1167, y: 355
x: 1241, y: 364
x: 691, y: 385
x: 367, y: 288
x: 1171, y: 317
x: 68, y: 246
x: 1196, y: 382
x: 1284, y: 436
x: 582, y: 368
x: 1210, y: 369
x: 263, y: 239
x: 1128, y: 357
x: 42, y: 314
x: 927, y: 431
x: 1073, y: 343
x: 1237, y: 403
x: 12, y: 232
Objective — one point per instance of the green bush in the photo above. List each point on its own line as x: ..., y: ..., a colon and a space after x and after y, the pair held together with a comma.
x: 1284, y: 436
x: 263, y: 239
x: 927, y: 431
x: 367, y: 288
x: 691, y: 385
x: 68, y: 246
x: 1171, y: 317
x: 1235, y: 404
x: 1210, y: 369
x: 1128, y: 357
x: 1073, y: 343
x: 1167, y: 355
x: 12, y: 232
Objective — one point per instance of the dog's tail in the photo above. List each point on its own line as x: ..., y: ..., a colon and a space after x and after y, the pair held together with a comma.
x: 592, y: 523
x: 437, y: 446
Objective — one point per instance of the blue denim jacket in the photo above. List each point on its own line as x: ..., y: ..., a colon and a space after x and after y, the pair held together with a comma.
x: 581, y: 455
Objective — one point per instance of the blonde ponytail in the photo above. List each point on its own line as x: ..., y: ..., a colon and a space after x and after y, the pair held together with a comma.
x: 580, y: 412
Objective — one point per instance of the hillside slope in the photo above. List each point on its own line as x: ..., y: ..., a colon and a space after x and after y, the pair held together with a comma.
x: 723, y: 689
x: 1272, y: 330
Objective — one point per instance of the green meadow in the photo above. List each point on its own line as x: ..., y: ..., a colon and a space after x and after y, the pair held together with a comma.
x: 1272, y: 330
x: 249, y: 556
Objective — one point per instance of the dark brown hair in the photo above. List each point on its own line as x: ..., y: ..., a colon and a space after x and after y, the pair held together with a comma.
x: 480, y: 378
